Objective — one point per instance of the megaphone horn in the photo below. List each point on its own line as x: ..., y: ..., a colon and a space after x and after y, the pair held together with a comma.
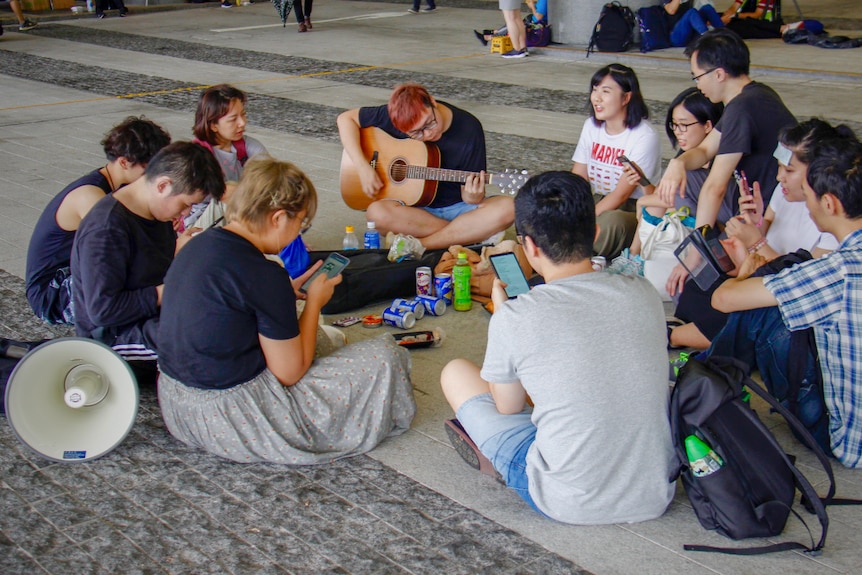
x: 72, y: 399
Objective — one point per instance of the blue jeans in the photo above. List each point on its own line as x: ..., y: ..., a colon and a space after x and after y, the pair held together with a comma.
x: 759, y: 338
x: 503, y: 439
x: 693, y: 23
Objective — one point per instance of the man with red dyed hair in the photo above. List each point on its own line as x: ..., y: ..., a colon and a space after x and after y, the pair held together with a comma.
x: 459, y: 213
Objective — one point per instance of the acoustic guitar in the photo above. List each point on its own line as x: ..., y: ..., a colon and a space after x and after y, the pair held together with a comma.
x: 410, y: 170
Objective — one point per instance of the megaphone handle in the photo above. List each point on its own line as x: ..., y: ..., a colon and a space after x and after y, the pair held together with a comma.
x: 16, y: 351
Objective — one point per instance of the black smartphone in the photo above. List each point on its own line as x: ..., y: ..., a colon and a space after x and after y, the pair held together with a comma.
x: 509, y: 271
x: 644, y: 181
x: 332, y: 266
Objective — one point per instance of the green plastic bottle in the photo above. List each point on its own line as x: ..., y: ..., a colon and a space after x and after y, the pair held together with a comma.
x: 461, y: 279
x: 702, y: 459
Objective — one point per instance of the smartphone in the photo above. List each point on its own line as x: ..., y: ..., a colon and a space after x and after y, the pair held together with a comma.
x: 742, y: 183
x: 509, y: 271
x: 332, y: 266
x: 644, y: 181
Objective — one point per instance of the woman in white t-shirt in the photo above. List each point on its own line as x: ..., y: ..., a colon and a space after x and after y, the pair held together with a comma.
x: 785, y: 226
x: 616, y: 127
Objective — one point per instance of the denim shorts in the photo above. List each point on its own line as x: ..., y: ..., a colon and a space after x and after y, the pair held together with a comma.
x: 504, y: 439
x: 449, y: 213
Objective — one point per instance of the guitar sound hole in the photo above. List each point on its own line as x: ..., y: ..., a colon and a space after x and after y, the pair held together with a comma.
x: 398, y: 171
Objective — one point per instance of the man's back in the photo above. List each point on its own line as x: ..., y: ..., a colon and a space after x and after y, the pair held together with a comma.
x: 590, y: 351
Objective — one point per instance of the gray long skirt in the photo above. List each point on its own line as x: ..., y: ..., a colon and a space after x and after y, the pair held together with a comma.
x: 346, y: 404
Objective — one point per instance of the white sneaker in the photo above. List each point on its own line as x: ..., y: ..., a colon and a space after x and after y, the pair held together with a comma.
x: 495, y: 239
x: 413, y: 11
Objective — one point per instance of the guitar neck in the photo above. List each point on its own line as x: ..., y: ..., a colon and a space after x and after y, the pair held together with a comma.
x: 440, y: 174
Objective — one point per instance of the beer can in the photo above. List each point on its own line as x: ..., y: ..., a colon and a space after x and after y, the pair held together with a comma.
x: 599, y: 263
x: 413, y: 305
x: 399, y: 317
x: 443, y: 287
x: 423, y: 280
x: 433, y: 305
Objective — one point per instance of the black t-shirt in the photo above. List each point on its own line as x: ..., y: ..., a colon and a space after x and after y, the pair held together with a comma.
x: 462, y: 146
x: 118, y: 259
x: 750, y: 125
x: 220, y: 293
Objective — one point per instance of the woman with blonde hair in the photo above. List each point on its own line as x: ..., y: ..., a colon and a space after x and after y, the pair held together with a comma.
x: 238, y: 374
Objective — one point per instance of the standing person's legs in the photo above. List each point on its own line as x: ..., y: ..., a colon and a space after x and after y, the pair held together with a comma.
x: 517, y: 32
x: 308, y: 5
x: 23, y: 23
x: 416, y: 5
x: 300, y: 15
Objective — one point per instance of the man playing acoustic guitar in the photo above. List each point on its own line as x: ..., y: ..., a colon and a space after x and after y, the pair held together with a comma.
x: 458, y: 213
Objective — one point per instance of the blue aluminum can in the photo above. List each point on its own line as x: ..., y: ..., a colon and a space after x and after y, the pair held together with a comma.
x: 399, y: 317
x: 413, y: 305
x: 433, y: 305
x: 443, y: 287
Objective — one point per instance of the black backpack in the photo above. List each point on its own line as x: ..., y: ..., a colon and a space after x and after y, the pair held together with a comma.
x: 614, y: 30
x: 752, y: 493
x: 653, y: 24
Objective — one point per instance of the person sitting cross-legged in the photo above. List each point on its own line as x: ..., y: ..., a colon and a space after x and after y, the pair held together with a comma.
x: 596, y: 447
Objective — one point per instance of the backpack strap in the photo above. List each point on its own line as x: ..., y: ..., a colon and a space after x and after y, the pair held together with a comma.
x: 241, y: 151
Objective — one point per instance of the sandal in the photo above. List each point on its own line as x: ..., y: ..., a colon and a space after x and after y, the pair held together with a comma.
x: 468, y: 451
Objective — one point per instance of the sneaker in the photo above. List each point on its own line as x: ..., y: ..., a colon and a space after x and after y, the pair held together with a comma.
x: 413, y: 10
x: 516, y: 54
x: 495, y: 239
x: 429, y: 10
x: 123, y: 12
x: 100, y: 16
x: 468, y: 451
x: 226, y: 4
x: 480, y: 37
x: 26, y: 25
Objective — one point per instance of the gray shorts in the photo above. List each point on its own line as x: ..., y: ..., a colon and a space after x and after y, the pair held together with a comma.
x: 510, y: 4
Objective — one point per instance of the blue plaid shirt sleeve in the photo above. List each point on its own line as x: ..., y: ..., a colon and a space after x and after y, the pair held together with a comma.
x: 810, y: 293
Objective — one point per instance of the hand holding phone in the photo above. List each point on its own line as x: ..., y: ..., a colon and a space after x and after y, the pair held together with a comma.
x: 509, y: 271
x: 644, y: 181
x: 332, y: 266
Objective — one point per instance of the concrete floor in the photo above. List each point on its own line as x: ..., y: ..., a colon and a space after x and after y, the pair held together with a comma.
x: 413, y: 505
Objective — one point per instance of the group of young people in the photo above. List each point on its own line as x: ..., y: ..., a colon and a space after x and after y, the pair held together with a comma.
x: 239, y: 373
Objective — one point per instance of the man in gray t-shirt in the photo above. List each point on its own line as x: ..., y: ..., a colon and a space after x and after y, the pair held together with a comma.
x: 589, y: 348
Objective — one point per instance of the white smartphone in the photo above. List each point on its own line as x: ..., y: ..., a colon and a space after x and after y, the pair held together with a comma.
x: 508, y: 269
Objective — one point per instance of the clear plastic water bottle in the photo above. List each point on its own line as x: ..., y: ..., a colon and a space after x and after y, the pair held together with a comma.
x: 461, y: 279
x: 702, y: 459
x: 351, y: 242
x: 372, y: 237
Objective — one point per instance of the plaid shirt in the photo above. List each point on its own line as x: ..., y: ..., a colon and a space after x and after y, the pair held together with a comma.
x: 826, y: 294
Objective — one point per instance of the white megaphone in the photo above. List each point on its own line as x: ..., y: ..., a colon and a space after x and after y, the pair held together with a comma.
x: 72, y: 399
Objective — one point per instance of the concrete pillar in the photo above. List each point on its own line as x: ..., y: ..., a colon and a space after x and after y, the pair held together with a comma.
x: 572, y: 21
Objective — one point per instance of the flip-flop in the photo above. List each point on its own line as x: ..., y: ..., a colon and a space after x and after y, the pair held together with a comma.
x: 468, y: 450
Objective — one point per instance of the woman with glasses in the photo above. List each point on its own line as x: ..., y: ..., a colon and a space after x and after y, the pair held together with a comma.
x: 239, y: 377
x: 616, y: 127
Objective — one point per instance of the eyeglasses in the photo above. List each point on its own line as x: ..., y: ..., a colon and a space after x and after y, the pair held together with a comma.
x: 305, y: 225
x: 432, y: 123
x: 681, y: 128
x: 699, y: 76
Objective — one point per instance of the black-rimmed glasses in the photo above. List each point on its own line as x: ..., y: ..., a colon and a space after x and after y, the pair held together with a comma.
x: 430, y: 125
x: 699, y: 76
x: 681, y: 128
